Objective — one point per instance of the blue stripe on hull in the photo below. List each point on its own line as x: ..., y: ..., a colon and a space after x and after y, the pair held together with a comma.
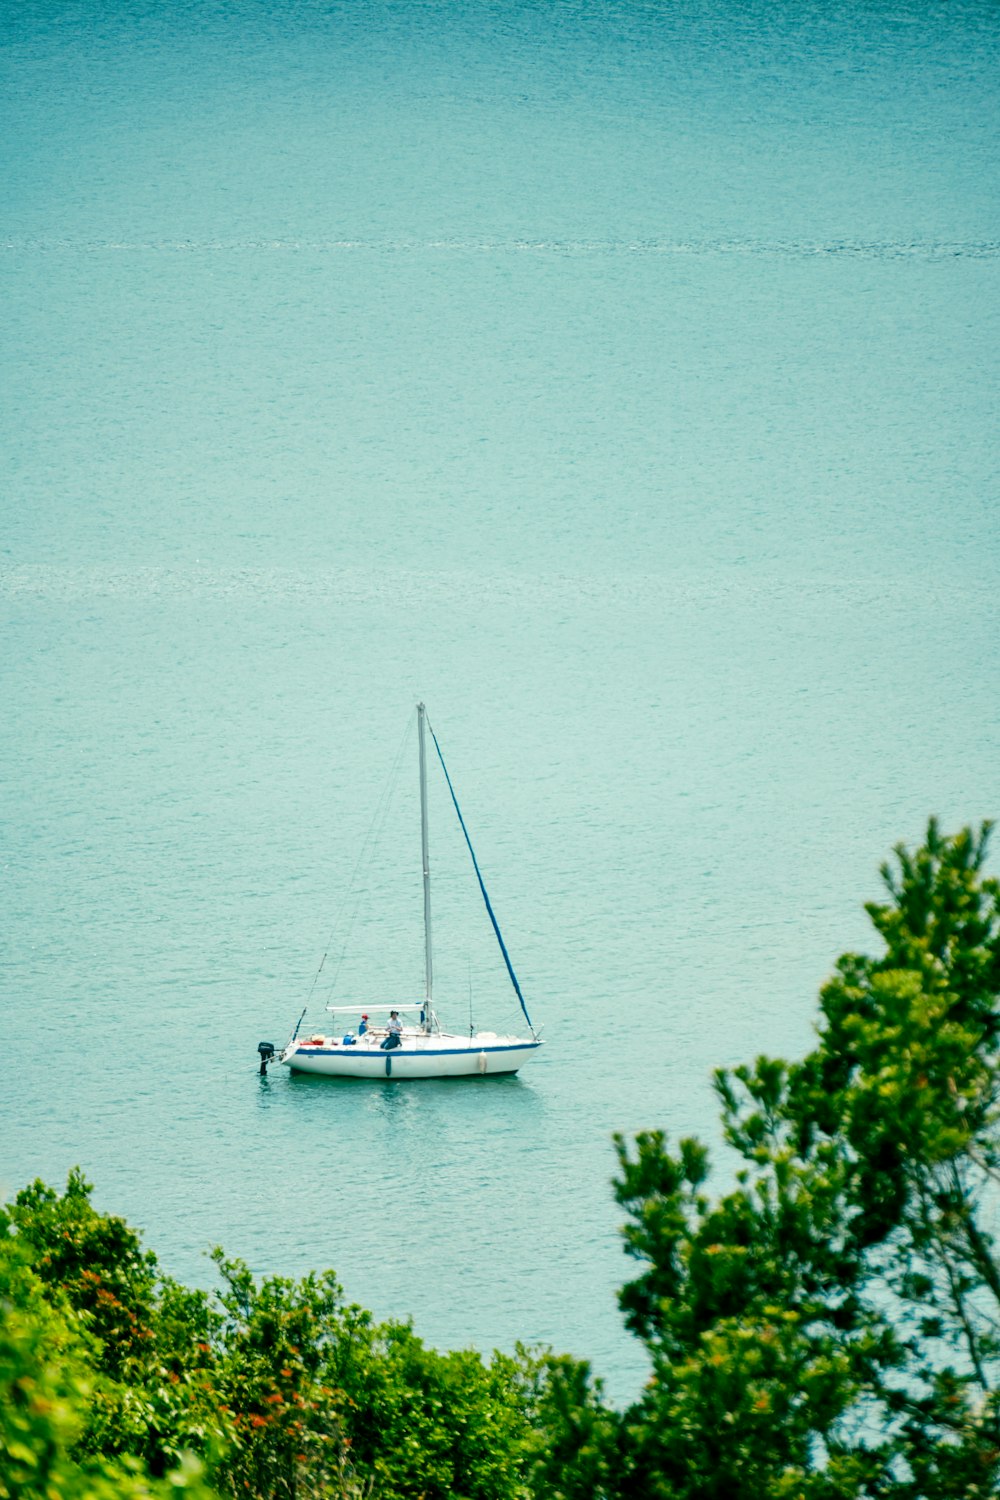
x: 401, y: 1052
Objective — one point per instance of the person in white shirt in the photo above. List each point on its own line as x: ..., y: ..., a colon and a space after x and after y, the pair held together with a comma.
x: 395, y: 1032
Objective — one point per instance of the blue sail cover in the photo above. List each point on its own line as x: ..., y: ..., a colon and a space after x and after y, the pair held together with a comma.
x: 475, y: 866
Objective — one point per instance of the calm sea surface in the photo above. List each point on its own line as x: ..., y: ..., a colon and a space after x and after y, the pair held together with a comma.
x: 620, y: 379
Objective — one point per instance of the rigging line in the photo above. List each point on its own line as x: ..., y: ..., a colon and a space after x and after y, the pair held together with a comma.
x: 482, y: 887
x: 362, y: 868
x: 381, y: 810
x: 366, y: 859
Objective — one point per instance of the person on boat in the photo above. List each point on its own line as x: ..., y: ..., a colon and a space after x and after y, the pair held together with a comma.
x: 362, y: 1026
x: 394, y: 1031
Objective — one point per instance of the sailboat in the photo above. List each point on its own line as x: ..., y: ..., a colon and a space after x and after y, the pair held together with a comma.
x: 408, y: 1041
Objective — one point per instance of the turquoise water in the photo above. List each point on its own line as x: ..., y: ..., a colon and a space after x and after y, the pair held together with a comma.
x: 617, y: 378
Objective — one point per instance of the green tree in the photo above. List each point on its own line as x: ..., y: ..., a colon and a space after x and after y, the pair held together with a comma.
x: 324, y: 1400
x: 272, y: 1381
x: 829, y: 1327
x: 276, y: 1387
x: 150, y: 1340
x: 572, y: 1444
x: 96, y: 1261
x: 48, y: 1376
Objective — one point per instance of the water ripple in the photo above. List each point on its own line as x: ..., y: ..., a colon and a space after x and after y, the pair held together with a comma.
x: 846, y: 249
x: 363, y: 586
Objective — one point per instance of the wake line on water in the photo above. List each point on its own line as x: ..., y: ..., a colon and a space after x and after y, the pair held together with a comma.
x: 920, y: 250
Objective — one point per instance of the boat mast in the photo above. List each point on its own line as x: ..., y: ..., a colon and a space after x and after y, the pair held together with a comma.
x: 428, y: 966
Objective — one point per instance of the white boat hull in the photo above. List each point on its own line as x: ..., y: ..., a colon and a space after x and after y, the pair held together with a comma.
x: 439, y: 1055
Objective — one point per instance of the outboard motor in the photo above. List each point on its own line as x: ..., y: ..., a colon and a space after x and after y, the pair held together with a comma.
x: 266, y: 1050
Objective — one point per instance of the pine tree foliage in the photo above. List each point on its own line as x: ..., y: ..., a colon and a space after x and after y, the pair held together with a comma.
x: 829, y: 1327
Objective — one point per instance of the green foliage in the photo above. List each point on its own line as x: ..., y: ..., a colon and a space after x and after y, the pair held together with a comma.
x: 273, y: 1388
x: 148, y: 1399
x: 47, y: 1381
x: 572, y: 1449
x: 425, y: 1423
x: 826, y: 1328
x: 272, y: 1378
x: 96, y: 1261
x: 829, y: 1328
